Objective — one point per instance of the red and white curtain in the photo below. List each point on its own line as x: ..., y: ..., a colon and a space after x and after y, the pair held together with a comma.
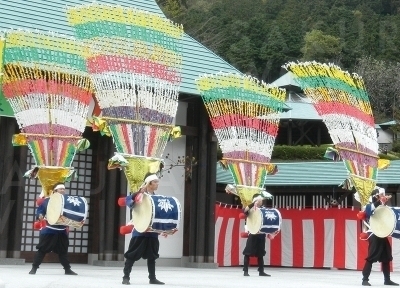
x: 308, y: 238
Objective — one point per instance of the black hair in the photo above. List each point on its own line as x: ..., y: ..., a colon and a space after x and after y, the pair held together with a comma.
x: 375, y: 192
x: 256, y: 195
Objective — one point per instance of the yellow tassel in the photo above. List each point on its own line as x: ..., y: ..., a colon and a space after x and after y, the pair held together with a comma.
x: 383, y: 164
x: 99, y: 124
x: 19, y: 140
x: 175, y: 132
x: 224, y: 164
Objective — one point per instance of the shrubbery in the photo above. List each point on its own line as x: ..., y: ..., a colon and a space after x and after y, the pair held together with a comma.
x: 389, y: 156
x: 308, y: 153
x: 396, y: 146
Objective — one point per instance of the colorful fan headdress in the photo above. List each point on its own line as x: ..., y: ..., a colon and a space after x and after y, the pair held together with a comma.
x: 45, y: 82
x: 341, y: 99
x: 245, y: 116
x: 134, y: 60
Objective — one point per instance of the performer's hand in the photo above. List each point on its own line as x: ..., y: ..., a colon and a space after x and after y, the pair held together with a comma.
x: 138, y: 197
x: 165, y: 235
x: 384, y: 199
x: 40, y: 217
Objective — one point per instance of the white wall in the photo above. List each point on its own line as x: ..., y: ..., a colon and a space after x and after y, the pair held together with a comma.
x: 172, y: 184
x: 385, y: 136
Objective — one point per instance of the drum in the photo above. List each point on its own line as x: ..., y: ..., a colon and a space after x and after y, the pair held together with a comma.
x: 157, y: 213
x: 384, y: 221
x: 264, y: 220
x: 66, y: 210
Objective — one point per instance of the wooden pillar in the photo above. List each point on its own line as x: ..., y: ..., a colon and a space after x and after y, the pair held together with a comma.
x: 106, y: 216
x: 11, y: 193
x: 123, y: 184
x: 17, y: 197
x: 191, y: 188
x: 289, y: 133
x: 211, y: 196
x: 97, y: 200
x: 94, y: 206
x: 110, y: 206
x: 201, y: 197
x: 202, y: 186
x: 189, y: 202
x: 301, y: 134
x: 319, y: 135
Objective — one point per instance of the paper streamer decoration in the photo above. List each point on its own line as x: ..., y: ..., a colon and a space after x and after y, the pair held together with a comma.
x: 46, y: 84
x: 2, y: 46
x: 134, y: 60
x: 341, y: 100
x: 245, y: 116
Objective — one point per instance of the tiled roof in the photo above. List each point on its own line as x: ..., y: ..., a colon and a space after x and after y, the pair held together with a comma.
x: 286, y: 80
x: 300, y: 110
x: 314, y: 173
x: 50, y: 15
x: 390, y: 123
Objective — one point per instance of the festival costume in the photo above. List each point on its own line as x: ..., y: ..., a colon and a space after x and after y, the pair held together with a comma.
x: 142, y: 245
x: 255, y: 247
x: 379, y: 250
x: 53, y: 238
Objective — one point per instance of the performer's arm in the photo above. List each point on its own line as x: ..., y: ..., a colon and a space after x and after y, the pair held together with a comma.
x: 132, y: 199
x: 41, y: 210
x: 247, y: 209
x: 377, y: 201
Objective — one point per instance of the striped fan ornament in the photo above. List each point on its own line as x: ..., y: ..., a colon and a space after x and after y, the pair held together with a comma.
x: 134, y: 60
x: 45, y: 82
x: 341, y: 100
x: 244, y: 113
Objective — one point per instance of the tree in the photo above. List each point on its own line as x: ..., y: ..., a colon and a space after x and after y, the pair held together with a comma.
x: 274, y: 52
x: 382, y: 81
x: 241, y: 55
x: 172, y: 8
x: 320, y: 47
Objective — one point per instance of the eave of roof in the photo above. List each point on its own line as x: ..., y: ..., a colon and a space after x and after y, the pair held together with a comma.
x: 300, y: 111
x: 314, y: 174
x: 286, y: 80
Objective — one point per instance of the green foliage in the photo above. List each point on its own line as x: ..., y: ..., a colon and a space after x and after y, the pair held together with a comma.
x: 305, y: 153
x: 310, y: 153
x: 382, y: 80
x: 396, y: 147
x: 320, y: 47
x: 259, y: 36
x: 389, y: 156
x: 172, y: 8
x: 273, y: 32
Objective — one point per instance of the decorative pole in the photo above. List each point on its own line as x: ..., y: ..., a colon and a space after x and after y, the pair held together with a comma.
x: 341, y: 100
x: 45, y: 82
x: 134, y: 59
x: 244, y: 113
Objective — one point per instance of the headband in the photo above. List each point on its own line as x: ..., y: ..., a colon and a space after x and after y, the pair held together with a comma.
x: 150, y: 178
x: 258, y: 198
x: 59, y: 186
